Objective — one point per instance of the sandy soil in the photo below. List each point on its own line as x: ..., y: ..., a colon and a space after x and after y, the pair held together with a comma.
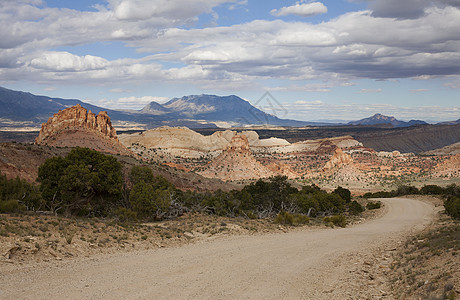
x: 311, y: 264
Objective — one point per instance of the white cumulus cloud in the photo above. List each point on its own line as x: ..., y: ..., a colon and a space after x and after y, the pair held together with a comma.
x: 301, y: 9
x: 132, y: 102
x: 65, y: 61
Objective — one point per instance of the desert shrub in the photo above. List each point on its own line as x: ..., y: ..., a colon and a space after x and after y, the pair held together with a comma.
x: 84, y: 182
x: 355, y: 208
x: 301, y: 219
x: 286, y: 218
x: 406, y: 190
x: 307, y: 203
x: 309, y: 189
x: 345, y: 194
x: 125, y: 215
x: 330, y: 203
x: 452, y: 190
x: 269, y: 196
x: 374, y: 205
x: 24, y: 193
x: 150, y: 203
x: 452, y: 206
x: 10, y: 206
x: 141, y: 173
x: 337, y: 220
x: 380, y: 194
x: 431, y: 189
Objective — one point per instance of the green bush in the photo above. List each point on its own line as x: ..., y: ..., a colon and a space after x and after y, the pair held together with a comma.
x: 337, y: 220
x: 84, y: 182
x: 406, y: 190
x: 452, y: 206
x: 355, y: 208
x: 381, y: 194
x: 374, y: 205
x: 291, y: 219
x: 148, y: 202
x: 141, y: 173
x: 10, y: 206
x: 432, y: 189
x: 268, y: 195
x: 125, y: 215
x: 345, y: 194
x: 24, y: 193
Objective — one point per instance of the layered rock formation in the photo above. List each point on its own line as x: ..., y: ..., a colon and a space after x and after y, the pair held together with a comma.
x: 77, y: 127
x: 179, y: 138
x: 274, y: 145
x: 182, y: 138
x: 341, y: 168
x: 236, y: 163
x: 338, y: 160
x: 283, y: 169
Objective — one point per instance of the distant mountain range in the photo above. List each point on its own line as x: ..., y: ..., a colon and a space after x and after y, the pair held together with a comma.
x: 220, y: 109
x: 450, y: 123
x: 21, y: 109
x: 379, y: 119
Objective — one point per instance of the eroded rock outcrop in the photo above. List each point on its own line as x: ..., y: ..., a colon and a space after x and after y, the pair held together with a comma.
x: 236, y: 163
x: 77, y: 127
x: 338, y: 160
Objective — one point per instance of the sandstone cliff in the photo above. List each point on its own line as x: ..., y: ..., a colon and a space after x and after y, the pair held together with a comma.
x: 77, y: 127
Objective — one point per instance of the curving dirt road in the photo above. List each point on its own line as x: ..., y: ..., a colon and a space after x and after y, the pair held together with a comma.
x: 310, y: 264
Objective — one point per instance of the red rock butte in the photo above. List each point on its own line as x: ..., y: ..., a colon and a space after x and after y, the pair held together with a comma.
x: 77, y: 127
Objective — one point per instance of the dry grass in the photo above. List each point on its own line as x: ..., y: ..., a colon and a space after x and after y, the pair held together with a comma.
x: 26, y: 238
x: 428, y: 265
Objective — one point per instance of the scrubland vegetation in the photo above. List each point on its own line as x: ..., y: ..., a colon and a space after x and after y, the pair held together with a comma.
x: 426, y: 266
x: 87, y: 183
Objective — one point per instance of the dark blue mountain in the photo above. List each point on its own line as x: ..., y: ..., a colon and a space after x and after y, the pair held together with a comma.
x: 449, y: 122
x: 379, y: 119
x: 20, y: 109
x: 231, y: 109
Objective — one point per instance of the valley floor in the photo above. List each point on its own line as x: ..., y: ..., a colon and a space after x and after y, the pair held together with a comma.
x: 348, y: 263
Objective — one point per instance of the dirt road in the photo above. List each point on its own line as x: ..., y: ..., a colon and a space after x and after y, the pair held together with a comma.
x: 310, y: 264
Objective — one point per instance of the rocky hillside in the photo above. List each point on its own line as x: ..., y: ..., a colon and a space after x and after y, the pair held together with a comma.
x: 448, y: 168
x: 414, y: 139
x: 447, y: 150
x: 236, y: 163
x: 77, y: 127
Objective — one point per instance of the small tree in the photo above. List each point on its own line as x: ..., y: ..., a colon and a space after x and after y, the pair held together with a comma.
x: 148, y: 202
x: 84, y: 182
x: 141, y: 173
x: 355, y: 208
x: 17, y: 194
x: 345, y: 194
x: 452, y: 206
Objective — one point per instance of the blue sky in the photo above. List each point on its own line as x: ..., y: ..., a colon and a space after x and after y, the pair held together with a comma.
x: 322, y: 60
